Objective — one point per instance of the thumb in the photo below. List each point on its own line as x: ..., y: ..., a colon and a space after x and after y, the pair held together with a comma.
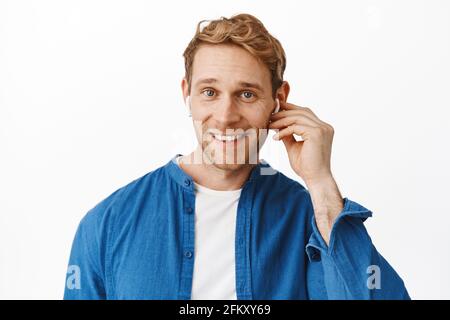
x: 289, y: 142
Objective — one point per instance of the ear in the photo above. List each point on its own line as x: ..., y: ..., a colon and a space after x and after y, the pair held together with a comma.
x: 184, y: 88
x: 283, y: 91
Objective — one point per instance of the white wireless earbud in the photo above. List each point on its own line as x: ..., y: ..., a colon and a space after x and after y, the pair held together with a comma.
x: 188, y: 104
x: 278, y: 106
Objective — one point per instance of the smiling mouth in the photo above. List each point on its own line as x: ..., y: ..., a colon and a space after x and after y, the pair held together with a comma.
x: 228, y: 137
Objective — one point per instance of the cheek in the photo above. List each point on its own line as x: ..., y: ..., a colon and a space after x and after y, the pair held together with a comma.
x: 199, y: 128
x: 258, y: 118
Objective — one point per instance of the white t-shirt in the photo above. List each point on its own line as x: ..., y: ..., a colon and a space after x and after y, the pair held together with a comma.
x: 215, y: 225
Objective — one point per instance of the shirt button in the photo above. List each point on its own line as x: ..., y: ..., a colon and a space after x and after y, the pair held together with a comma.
x: 187, y: 183
x: 188, y: 254
x: 189, y: 210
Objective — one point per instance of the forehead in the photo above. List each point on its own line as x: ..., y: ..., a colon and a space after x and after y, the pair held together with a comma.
x: 229, y: 63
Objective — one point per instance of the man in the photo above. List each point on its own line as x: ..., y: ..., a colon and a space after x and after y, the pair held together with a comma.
x: 219, y: 223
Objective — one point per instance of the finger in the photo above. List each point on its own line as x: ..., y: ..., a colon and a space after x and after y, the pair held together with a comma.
x: 295, y: 119
x: 290, y: 106
x: 287, y: 106
x: 296, y: 111
x: 289, y: 141
x: 300, y: 130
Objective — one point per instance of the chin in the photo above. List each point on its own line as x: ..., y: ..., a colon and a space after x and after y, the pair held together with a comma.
x: 228, y: 167
x: 222, y: 160
x: 230, y: 164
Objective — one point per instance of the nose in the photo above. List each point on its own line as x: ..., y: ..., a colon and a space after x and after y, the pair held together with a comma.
x: 226, y: 112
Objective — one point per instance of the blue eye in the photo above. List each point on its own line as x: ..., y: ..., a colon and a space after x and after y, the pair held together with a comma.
x: 208, y: 92
x: 248, y: 94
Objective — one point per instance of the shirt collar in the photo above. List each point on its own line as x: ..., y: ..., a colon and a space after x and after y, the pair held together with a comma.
x: 263, y: 168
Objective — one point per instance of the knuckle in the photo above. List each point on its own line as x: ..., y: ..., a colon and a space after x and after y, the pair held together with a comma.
x: 330, y: 128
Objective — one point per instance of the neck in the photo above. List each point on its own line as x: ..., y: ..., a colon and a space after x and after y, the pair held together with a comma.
x: 214, y: 177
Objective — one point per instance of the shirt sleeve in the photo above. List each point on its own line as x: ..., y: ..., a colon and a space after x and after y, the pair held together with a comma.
x: 85, y: 275
x: 350, y: 267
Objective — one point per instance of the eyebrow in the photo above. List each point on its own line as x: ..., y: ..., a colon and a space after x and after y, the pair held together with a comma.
x: 241, y: 83
x: 251, y: 85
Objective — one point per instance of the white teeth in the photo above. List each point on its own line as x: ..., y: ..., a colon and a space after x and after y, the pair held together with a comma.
x: 228, y: 137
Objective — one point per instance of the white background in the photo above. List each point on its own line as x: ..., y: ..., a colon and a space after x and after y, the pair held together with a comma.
x: 90, y: 99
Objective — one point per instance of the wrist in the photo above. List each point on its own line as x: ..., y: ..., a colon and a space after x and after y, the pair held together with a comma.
x: 326, y: 199
x: 321, y: 181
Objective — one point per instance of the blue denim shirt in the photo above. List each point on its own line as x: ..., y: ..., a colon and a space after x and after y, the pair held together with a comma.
x: 138, y: 243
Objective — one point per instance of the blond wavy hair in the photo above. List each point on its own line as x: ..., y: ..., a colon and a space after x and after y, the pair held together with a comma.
x: 243, y: 30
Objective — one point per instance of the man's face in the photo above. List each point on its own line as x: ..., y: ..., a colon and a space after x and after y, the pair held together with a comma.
x: 231, y: 102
